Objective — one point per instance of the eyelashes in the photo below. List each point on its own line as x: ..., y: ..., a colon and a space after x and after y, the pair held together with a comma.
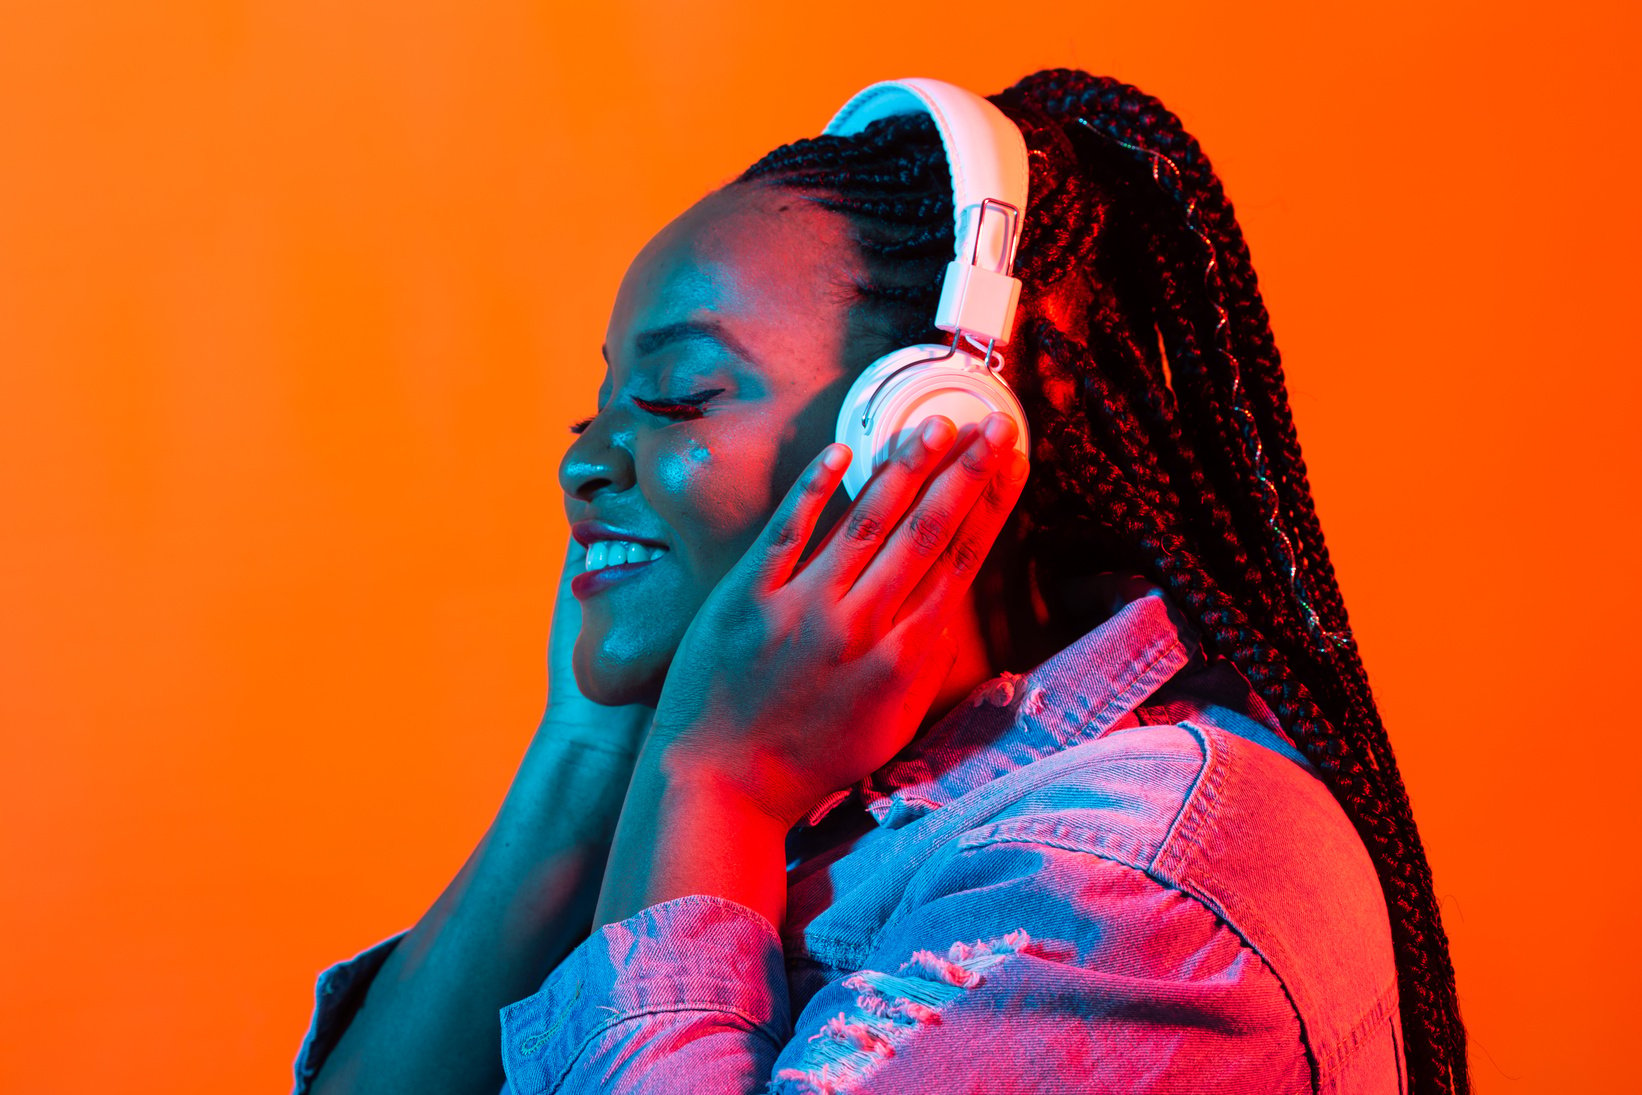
x: 679, y: 410
x: 683, y: 409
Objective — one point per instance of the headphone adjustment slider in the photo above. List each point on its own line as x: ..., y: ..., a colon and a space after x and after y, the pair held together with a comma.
x: 978, y: 302
x: 978, y: 297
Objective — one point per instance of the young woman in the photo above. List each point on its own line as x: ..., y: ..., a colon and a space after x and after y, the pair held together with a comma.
x: 1002, y: 776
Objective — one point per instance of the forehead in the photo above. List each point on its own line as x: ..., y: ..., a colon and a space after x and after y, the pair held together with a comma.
x: 771, y: 267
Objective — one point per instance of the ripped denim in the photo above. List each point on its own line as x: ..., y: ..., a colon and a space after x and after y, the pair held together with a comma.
x: 1111, y: 874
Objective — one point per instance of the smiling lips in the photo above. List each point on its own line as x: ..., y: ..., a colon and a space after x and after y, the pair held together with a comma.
x: 611, y: 553
x: 611, y: 561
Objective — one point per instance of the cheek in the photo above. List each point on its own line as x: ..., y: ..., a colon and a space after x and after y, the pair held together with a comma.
x: 715, y: 493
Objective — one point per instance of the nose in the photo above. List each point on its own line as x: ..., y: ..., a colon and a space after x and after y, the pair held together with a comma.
x: 600, y: 459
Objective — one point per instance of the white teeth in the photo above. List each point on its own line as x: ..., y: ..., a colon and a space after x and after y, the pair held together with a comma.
x: 610, y: 553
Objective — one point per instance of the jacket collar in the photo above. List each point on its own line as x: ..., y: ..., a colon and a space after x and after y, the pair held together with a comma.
x: 1088, y: 689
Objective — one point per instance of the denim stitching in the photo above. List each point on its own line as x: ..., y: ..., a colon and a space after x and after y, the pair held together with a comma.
x: 708, y: 1008
x: 1361, y: 1031
x: 1171, y: 864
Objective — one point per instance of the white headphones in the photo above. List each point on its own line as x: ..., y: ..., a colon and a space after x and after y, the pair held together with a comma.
x: 987, y: 157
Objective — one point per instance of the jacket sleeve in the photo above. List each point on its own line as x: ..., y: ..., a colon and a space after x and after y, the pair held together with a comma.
x: 1024, y: 967
x: 337, y: 996
x: 689, y: 995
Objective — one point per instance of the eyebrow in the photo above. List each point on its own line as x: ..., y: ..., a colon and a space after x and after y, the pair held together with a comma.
x: 689, y: 330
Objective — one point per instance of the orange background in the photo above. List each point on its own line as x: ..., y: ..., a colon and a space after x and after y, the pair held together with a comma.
x: 296, y: 299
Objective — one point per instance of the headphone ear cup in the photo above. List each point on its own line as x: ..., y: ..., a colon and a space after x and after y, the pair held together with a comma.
x: 896, y: 393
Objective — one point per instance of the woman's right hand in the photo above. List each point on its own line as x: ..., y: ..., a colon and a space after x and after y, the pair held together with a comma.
x: 571, y: 716
x: 573, y: 779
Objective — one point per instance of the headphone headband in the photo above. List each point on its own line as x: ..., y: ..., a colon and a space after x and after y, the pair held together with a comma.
x: 987, y: 157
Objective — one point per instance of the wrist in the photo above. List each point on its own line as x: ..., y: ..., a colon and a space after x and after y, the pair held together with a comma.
x: 618, y: 731
x: 755, y: 788
x: 565, y: 796
x: 688, y: 828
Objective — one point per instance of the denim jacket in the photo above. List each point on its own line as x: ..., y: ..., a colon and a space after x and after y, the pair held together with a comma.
x: 1112, y: 874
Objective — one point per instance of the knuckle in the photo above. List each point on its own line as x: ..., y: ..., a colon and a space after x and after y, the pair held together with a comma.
x: 963, y: 556
x: 926, y: 531
x: 785, y: 536
x: 975, y: 464
x: 864, y: 527
x: 999, y: 493
x: 910, y: 458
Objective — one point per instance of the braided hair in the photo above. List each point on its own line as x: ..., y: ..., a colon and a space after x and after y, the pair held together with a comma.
x: 1164, y: 442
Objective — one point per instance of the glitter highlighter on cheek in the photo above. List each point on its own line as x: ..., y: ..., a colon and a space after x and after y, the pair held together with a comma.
x: 717, y: 488
x: 682, y: 471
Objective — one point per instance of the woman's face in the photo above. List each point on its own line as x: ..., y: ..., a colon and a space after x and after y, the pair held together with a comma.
x: 729, y: 351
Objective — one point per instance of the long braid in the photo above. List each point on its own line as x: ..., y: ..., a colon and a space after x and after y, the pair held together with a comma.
x: 1149, y: 407
x: 1376, y: 797
x: 1144, y: 434
x: 1144, y: 121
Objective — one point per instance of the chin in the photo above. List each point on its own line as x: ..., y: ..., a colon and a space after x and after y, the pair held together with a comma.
x: 619, y: 679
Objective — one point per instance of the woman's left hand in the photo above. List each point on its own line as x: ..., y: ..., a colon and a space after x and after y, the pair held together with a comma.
x: 798, y: 678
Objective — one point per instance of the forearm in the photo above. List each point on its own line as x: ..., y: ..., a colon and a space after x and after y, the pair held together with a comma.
x: 684, y: 831
x: 520, y: 904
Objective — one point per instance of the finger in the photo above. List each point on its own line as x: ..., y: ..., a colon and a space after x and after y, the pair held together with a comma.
x: 852, y: 542
x: 777, y: 550
x: 953, y: 571
x: 928, y: 536
x: 842, y: 527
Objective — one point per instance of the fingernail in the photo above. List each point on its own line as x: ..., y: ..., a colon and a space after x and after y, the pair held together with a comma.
x: 1000, y: 430
x: 836, y: 458
x: 1015, y: 465
x: 937, y: 432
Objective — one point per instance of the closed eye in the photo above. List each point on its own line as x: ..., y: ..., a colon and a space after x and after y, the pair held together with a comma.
x: 679, y: 410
